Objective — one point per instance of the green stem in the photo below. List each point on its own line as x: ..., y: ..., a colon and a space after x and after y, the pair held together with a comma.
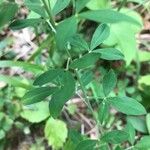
x: 122, y: 4
x: 49, y: 12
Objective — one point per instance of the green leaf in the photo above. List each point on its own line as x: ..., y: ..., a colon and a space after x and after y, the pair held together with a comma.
x: 109, y: 82
x: 98, y: 4
x: 107, y: 16
x: 63, y: 95
x: 131, y: 131
x: 2, y: 134
x: 139, y: 123
x: 127, y: 105
x: 36, y: 6
x: 15, y: 81
x: 115, y: 137
x: 80, y: 4
x: 110, y: 54
x: 144, y: 143
x: 78, y: 42
x: 47, y: 77
x: 23, y: 23
x: 86, y: 145
x: 86, y: 61
x: 103, y: 112
x: 118, y: 35
x: 36, y: 113
x: 144, y: 56
x: 59, y: 6
x: 100, y: 34
x: 64, y: 31
x: 56, y: 133
x: 7, y: 12
x: 38, y: 94
x: 26, y: 66
x: 148, y: 122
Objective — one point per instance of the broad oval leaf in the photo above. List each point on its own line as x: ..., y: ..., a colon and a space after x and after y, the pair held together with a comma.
x: 7, y: 12
x: 107, y: 16
x: 109, y: 82
x: 36, y: 113
x: 115, y: 137
x: 56, y: 133
x: 110, y: 54
x: 100, y: 34
x: 38, y: 94
x: 63, y: 95
x: 86, y: 61
x: 20, y: 24
x: 144, y: 143
x: 127, y: 105
x: 86, y: 145
x: 80, y: 4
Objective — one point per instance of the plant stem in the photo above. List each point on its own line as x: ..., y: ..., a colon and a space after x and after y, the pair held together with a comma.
x: 49, y: 12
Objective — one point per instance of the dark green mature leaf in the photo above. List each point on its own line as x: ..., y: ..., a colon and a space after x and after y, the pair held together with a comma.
x: 38, y: 94
x: 109, y: 82
x: 47, y: 77
x: 60, y: 5
x: 139, y: 123
x: 26, y: 66
x: 23, y: 23
x: 100, y: 34
x: 131, y: 131
x: 78, y: 42
x: 104, y: 147
x: 144, y: 143
x: 80, y: 4
x: 64, y: 31
x: 127, y: 105
x: 7, y: 12
x: 115, y: 137
x: 86, y: 61
x: 86, y: 145
x: 36, y: 6
x: 107, y: 16
x: 63, y: 95
x: 110, y: 54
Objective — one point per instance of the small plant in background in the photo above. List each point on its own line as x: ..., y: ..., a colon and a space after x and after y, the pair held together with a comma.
x: 73, y: 61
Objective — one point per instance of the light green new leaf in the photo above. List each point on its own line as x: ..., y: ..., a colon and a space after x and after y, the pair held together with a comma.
x: 127, y: 105
x: 64, y: 31
x: 63, y: 94
x: 131, y: 131
x: 26, y: 66
x: 107, y: 16
x: 36, y: 113
x: 7, y: 12
x: 15, y: 81
x: 86, y: 145
x: 23, y: 23
x: 38, y: 94
x: 121, y: 31
x: 144, y: 143
x: 80, y: 4
x: 100, y: 34
x: 109, y: 82
x: 59, y: 6
x: 115, y: 137
x: 56, y: 133
x: 110, y: 54
x: 144, y: 56
x: 98, y: 4
x: 86, y: 61
x: 139, y: 123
